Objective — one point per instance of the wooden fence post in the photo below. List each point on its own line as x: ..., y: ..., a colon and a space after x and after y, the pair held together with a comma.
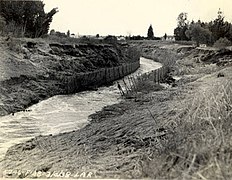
x: 155, y: 76
x: 158, y: 76
x: 105, y: 75
x: 134, y: 82
x: 130, y: 83
x: 126, y: 88
x: 99, y: 77
x: 161, y: 74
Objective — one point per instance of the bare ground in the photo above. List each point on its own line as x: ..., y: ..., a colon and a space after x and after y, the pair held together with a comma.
x: 179, y: 132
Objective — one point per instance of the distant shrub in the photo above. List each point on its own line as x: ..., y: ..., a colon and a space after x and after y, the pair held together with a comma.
x: 110, y: 39
x: 68, y: 40
x: 138, y: 37
x: 222, y: 42
x: 88, y: 40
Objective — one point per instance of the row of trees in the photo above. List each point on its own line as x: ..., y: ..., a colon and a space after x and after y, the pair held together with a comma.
x: 25, y: 18
x: 203, y: 32
x: 150, y: 35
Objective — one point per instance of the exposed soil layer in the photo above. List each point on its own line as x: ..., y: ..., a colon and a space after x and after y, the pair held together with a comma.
x: 178, y: 132
x: 32, y: 70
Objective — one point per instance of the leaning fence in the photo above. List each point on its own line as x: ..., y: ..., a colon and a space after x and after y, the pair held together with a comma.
x: 83, y: 81
x: 130, y: 83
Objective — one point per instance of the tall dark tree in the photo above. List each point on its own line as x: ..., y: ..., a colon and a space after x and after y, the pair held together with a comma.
x: 182, y: 19
x: 165, y: 36
x: 150, y: 33
x: 199, y: 34
x: 182, y: 26
x: 68, y: 33
x: 28, y: 16
x: 220, y: 28
x: 180, y: 33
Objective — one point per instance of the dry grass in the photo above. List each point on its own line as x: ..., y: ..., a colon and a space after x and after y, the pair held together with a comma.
x: 202, y: 140
x: 148, y: 86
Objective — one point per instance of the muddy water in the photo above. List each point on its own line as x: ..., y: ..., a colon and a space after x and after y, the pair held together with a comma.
x: 60, y: 113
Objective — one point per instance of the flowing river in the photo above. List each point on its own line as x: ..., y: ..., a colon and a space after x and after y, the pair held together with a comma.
x: 61, y: 113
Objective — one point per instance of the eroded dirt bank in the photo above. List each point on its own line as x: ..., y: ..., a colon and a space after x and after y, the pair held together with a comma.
x: 32, y: 70
x: 179, y: 132
x: 70, y: 112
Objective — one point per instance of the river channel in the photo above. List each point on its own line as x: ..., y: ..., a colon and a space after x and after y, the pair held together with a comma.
x: 61, y: 113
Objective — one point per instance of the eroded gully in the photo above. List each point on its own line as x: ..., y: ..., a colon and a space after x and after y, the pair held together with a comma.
x: 61, y: 113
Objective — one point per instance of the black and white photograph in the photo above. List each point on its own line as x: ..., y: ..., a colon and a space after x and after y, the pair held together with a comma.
x: 116, y: 89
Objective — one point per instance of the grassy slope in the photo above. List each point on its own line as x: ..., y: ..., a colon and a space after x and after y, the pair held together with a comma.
x: 182, y: 131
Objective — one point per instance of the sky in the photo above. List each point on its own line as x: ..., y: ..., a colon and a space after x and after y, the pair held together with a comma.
x: 130, y: 17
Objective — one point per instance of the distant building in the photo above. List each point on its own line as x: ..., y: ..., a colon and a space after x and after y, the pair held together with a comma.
x: 72, y: 35
x: 59, y: 34
x: 169, y: 38
x: 203, y: 45
x: 121, y: 38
